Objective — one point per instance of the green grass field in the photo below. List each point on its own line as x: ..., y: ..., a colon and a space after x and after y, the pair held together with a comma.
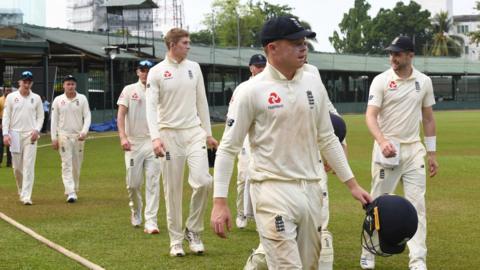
x: 97, y: 227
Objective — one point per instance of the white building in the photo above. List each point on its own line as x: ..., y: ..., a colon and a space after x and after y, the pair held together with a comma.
x: 90, y: 15
x: 33, y: 11
x: 11, y: 16
x: 86, y: 15
x: 462, y: 25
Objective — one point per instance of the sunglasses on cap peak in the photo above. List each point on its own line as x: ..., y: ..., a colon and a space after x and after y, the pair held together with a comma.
x: 145, y: 64
x: 26, y: 75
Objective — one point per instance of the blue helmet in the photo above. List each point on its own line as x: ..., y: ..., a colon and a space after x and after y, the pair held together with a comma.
x: 339, y: 126
x: 389, y: 223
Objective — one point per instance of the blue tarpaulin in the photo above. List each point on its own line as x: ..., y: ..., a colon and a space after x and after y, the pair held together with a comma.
x: 110, y: 125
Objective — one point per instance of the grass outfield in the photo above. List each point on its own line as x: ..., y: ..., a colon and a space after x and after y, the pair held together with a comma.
x: 97, y: 227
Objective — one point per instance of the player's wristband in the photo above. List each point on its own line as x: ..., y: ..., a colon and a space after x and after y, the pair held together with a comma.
x: 430, y: 143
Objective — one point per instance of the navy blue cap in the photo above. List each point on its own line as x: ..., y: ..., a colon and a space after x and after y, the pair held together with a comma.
x: 69, y: 78
x: 339, y: 126
x: 26, y: 75
x: 284, y: 27
x: 257, y: 59
x: 145, y: 64
x: 401, y: 44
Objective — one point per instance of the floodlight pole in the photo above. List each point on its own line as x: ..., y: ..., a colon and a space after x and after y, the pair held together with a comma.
x: 112, y: 51
x: 111, y: 85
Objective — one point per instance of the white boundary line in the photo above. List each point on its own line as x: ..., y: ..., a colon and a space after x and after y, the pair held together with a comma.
x: 88, y: 138
x: 52, y: 245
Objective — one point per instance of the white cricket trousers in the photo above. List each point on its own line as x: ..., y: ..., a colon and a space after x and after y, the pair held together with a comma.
x: 23, y: 164
x: 411, y: 171
x: 185, y: 145
x: 325, y: 198
x: 71, y: 153
x: 242, y: 175
x: 288, y: 217
x: 141, y: 162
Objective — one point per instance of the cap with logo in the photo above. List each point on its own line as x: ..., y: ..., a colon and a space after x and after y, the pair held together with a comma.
x: 401, y: 44
x: 69, y: 78
x: 257, y: 59
x: 26, y: 75
x: 145, y: 64
x: 284, y: 27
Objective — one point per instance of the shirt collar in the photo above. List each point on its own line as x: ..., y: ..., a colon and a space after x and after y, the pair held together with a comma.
x: 73, y: 99
x: 277, y: 75
x: 141, y: 85
x: 413, y: 76
x: 173, y: 61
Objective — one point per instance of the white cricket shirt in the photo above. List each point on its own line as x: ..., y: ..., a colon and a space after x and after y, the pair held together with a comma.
x: 133, y: 97
x: 70, y: 116
x: 176, y: 97
x: 22, y: 114
x: 287, y: 122
x: 400, y: 102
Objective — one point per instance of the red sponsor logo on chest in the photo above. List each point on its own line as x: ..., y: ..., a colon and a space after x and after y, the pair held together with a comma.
x: 135, y: 96
x: 167, y: 74
x: 392, y: 85
x: 274, y: 98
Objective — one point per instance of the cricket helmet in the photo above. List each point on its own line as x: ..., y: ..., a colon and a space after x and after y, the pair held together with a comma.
x: 389, y: 223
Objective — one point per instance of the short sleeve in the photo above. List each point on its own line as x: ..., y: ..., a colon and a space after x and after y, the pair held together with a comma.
x: 375, y: 95
x: 123, y: 98
x: 429, y: 98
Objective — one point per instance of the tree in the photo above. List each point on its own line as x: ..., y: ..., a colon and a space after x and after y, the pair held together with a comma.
x: 475, y: 35
x: 353, y: 29
x: 202, y: 37
x: 230, y: 17
x: 401, y: 20
x: 442, y: 43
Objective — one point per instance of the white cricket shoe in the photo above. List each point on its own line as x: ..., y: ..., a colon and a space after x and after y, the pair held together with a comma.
x: 419, y: 267
x: 177, y: 250
x: 367, y: 261
x: 27, y: 202
x: 136, y: 218
x: 72, y: 197
x: 194, y: 241
x: 241, y: 221
x: 151, y: 229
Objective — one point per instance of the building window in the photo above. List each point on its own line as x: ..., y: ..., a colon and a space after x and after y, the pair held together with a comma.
x: 462, y: 29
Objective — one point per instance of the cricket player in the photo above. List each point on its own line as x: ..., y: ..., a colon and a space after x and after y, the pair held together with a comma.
x: 179, y: 124
x: 256, y: 65
x: 69, y: 127
x: 257, y: 261
x: 399, y: 100
x: 6, y: 91
x: 21, y: 124
x: 284, y: 111
x: 139, y: 157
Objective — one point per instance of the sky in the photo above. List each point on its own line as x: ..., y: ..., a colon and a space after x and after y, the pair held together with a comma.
x: 323, y: 15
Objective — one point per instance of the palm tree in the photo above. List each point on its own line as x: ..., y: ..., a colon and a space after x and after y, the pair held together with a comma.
x: 443, y: 43
x: 475, y: 35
